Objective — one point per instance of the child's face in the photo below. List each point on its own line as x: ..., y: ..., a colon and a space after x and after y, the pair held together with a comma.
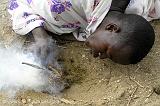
x: 105, y: 43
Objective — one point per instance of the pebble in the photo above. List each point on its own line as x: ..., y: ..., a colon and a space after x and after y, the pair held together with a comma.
x: 83, y: 56
x: 67, y: 101
x: 24, y: 101
x: 104, y: 98
x: 150, y: 90
x: 28, y: 100
x: 118, y: 81
x: 101, y: 103
x: 136, y: 97
x: 3, y: 16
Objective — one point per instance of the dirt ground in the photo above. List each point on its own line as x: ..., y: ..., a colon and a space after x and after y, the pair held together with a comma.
x: 94, y: 82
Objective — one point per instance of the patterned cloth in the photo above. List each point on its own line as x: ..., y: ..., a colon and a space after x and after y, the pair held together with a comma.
x: 81, y: 17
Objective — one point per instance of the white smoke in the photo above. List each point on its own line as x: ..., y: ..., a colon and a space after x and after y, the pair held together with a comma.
x: 15, y: 76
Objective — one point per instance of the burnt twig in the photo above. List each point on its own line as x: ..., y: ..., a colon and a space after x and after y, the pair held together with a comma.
x: 56, y: 72
x: 33, y: 65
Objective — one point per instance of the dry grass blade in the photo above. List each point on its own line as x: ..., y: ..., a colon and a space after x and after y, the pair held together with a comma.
x: 131, y: 97
x: 71, y: 102
x: 133, y: 79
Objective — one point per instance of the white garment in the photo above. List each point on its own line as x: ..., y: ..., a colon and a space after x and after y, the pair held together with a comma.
x: 81, y: 17
x: 149, y: 9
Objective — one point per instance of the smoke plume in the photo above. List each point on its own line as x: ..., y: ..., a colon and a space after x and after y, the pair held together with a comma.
x: 15, y: 76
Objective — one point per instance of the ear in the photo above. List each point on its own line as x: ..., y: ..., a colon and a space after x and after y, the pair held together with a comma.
x: 113, y: 28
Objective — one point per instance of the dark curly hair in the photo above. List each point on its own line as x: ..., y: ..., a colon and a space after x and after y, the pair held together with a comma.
x: 139, y: 35
x: 136, y: 32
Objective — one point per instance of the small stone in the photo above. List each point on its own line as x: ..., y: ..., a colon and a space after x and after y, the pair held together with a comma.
x: 150, y: 90
x: 67, y: 101
x: 24, y: 101
x: 28, y: 100
x: 83, y: 56
x: 118, y: 81
x: 146, y: 100
x: 100, y: 81
x: 135, y: 97
x: 157, y: 52
x: 104, y: 98
x: 99, y: 103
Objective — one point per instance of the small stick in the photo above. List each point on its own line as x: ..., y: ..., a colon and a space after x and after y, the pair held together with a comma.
x: 38, y: 67
x: 137, y: 68
x: 67, y: 101
x: 32, y: 65
x: 150, y: 94
x: 131, y: 97
x: 89, y: 88
x: 147, y: 97
x: 136, y: 82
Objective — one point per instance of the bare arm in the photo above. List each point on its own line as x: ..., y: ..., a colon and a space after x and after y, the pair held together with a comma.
x: 119, y: 5
x: 39, y: 33
x: 44, y: 47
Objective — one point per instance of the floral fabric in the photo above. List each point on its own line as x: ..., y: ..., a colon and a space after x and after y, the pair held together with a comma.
x: 81, y: 17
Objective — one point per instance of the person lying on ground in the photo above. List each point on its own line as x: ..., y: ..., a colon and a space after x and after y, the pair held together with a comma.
x: 125, y: 39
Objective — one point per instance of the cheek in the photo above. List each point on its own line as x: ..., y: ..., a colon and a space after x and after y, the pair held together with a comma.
x: 121, y: 58
x: 92, y: 42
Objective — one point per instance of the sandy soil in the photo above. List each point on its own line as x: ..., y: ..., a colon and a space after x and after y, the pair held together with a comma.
x: 94, y: 82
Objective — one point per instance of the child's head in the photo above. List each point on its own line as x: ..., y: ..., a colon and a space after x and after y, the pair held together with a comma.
x: 126, y: 39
